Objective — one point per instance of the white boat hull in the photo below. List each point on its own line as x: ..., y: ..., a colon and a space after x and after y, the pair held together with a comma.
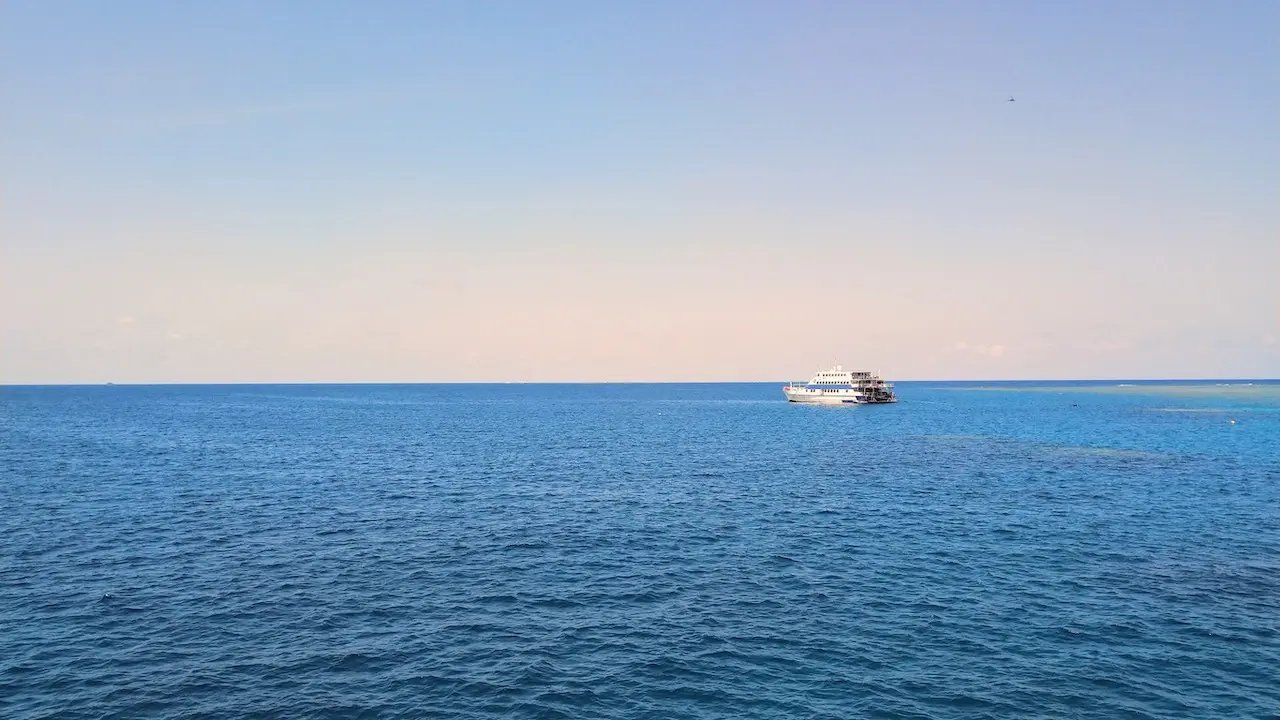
x: 810, y: 397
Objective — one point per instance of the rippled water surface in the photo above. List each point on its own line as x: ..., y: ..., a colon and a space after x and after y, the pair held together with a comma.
x: 631, y: 551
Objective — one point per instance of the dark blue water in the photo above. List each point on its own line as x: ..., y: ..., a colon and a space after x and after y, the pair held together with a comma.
x: 669, y: 551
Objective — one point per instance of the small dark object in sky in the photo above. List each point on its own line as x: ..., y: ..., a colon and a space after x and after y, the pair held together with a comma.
x: 1010, y: 99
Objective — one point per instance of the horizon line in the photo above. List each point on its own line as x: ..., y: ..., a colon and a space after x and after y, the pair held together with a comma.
x: 384, y: 383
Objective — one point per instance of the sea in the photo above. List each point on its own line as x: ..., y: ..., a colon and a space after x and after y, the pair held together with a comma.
x: 976, y: 550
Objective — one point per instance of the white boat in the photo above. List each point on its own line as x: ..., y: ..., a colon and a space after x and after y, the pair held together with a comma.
x: 837, y: 386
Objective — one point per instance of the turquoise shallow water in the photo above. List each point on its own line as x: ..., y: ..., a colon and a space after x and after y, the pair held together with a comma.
x: 640, y: 551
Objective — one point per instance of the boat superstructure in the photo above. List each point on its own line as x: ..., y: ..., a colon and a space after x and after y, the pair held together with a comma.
x: 837, y: 386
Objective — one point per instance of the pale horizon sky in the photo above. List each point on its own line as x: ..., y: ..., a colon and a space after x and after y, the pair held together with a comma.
x: 660, y: 191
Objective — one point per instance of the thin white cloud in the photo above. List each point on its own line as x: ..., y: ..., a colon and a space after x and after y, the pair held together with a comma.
x: 991, y: 351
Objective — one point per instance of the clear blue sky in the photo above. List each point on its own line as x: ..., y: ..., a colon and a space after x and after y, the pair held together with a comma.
x: 237, y: 191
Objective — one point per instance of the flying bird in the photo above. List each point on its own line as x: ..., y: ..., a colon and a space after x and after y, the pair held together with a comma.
x: 1010, y: 99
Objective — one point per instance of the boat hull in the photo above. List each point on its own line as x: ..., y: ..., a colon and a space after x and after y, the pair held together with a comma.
x: 809, y: 397
x: 822, y: 398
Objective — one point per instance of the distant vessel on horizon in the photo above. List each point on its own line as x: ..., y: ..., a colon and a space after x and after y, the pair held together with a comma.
x: 837, y: 386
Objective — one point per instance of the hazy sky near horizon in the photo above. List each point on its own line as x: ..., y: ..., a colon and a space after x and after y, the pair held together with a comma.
x: 694, y: 190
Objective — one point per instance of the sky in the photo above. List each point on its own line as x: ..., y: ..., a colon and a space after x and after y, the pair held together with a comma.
x: 694, y: 190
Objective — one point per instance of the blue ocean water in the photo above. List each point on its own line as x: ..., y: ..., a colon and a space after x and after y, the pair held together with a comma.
x: 1016, y: 550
